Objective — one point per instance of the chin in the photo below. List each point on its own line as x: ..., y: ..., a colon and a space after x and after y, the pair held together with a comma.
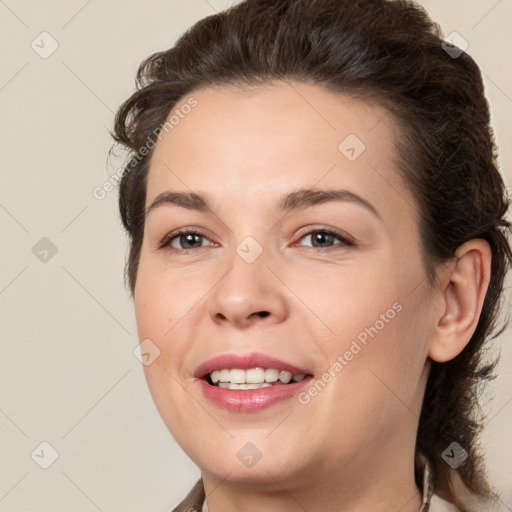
x: 243, y: 461
x: 264, y: 473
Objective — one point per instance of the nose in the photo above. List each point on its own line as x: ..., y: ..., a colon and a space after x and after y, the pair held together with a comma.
x: 248, y: 294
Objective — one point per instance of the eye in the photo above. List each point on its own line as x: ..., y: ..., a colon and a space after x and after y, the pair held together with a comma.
x: 185, y: 241
x: 191, y: 240
x: 324, y: 238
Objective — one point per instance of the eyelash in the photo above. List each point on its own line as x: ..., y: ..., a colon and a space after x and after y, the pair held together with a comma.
x: 345, y: 241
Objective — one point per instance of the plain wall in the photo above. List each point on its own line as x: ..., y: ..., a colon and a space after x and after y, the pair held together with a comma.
x: 68, y: 375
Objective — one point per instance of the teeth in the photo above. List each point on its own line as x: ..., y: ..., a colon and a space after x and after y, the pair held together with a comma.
x: 285, y: 377
x: 271, y: 375
x: 253, y: 378
x: 230, y: 385
x: 237, y: 376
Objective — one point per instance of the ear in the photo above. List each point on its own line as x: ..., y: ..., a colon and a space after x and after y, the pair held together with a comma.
x: 462, y: 295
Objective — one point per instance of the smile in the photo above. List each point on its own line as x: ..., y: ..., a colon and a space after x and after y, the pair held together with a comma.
x: 254, y: 378
x: 249, y: 382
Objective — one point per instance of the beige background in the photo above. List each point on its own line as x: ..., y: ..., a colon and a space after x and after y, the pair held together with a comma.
x: 68, y: 375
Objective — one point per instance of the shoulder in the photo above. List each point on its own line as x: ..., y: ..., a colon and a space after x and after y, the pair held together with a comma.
x: 194, y: 500
x: 437, y: 504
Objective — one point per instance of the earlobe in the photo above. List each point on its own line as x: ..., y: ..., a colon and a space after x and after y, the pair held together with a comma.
x: 462, y: 299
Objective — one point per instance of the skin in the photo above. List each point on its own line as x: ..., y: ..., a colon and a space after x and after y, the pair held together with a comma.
x: 351, y: 448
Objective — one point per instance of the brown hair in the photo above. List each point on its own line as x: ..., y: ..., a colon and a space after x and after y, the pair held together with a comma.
x: 384, y: 51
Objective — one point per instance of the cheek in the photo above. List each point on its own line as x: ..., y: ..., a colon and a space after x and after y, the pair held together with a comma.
x: 156, y: 317
x: 394, y: 349
x: 162, y: 299
x: 172, y: 402
x: 362, y: 306
x: 381, y: 339
x: 158, y: 310
x: 375, y: 387
x: 167, y: 306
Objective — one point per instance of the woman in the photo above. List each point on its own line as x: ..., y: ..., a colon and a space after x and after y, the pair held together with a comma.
x: 317, y: 254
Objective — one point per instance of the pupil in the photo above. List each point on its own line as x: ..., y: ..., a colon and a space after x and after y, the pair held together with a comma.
x: 190, y: 238
x: 320, y: 237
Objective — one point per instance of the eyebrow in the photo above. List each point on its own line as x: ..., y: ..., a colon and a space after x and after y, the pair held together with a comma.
x: 296, y: 200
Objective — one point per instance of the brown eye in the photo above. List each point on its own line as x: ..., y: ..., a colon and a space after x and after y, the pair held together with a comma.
x: 194, y: 239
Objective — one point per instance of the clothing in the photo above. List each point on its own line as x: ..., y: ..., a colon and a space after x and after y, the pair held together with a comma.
x: 437, y: 504
x: 431, y: 502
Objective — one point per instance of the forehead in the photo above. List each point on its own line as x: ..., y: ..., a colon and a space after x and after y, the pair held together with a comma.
x: 258, y: 143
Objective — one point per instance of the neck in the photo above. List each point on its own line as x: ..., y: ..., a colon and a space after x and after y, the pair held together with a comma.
x: 383, y: 481
x: 334, y: 499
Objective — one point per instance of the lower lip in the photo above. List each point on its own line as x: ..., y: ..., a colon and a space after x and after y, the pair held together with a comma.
x: 251, y: 399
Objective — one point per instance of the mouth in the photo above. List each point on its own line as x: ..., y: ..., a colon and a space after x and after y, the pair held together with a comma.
x: 253, y: 378
x: 250, y: 382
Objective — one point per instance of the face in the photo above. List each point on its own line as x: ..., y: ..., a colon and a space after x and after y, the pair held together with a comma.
x: 326, y: 289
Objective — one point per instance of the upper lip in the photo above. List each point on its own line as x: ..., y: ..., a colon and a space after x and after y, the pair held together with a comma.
x: 245, y: 362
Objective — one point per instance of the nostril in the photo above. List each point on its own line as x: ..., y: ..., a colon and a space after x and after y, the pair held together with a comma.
x: 263, y: 313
